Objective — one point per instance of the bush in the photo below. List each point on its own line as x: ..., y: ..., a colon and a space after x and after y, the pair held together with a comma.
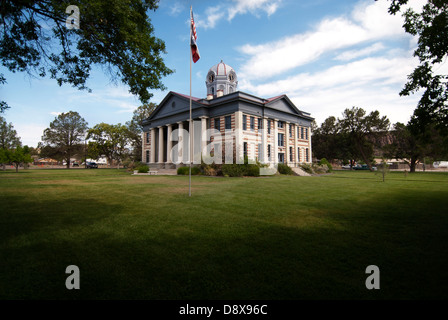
x: 307, y: 168
x: 323, y: 168
x: 326, y: 162
x: 284, y: 169
x: 143, y: 169
x: 252, y: 170
x: 233, y: 170
x: 186, y: 171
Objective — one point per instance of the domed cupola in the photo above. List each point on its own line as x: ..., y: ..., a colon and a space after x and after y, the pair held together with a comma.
x: 221, y: 79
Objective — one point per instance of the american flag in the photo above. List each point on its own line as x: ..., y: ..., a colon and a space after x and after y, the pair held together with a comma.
x: 194, y: 47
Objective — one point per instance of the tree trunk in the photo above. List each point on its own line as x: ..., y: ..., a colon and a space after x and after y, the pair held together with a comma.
x: 412, y: 165
x: 17, y: 167
x: 68, y: 160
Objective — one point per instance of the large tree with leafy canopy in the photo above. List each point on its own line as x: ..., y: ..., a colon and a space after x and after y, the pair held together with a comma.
x: 115, y: 34
x: 362, y: 132
x: 65, y: 135
x: 431, y: 27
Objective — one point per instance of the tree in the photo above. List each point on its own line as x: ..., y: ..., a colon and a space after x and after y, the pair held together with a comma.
x: 135, y: 128
x: 431, y: 27
x: 19, y: 155
x: 363, y: 131
x: 65, y: 134
x: 325, y: 139
x: 8, y: 139
x: 405, y: 146
x: 40, y: 38
x: 109, y: 140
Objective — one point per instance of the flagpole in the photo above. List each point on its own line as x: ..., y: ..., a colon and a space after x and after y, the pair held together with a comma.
x: 190, y: 128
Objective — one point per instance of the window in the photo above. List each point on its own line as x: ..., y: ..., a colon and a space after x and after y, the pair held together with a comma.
x: 281, y: 140
x: 269, y: 126
x: 298, y: 154
x: 147, y: 156
x: 244, y: 122
x: 290, y: 130
x: 147, y: 137
x: 306, y: 133
x: 260, y: 123
x: 290, y: 154
x: 218, y: 124
x: 301, y: 133
x: 269, y: 152
x: 252, y: 123
x: 280, y: 124
x: 307, y: 156
x: 245, y: 149
x: 228, y: 121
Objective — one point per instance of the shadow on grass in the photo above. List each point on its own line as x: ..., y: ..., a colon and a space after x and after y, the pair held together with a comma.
x: 198, y: 258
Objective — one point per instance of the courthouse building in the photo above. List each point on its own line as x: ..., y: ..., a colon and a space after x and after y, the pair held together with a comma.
x: 269, y: 130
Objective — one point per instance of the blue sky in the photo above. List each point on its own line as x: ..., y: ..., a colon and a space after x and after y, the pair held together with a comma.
x: 326, y: 55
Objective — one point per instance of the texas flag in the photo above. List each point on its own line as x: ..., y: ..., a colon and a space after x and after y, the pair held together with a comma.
x: 193, y: 45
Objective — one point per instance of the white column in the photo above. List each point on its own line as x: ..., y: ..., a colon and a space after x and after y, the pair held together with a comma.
x: 180, y: 142
x: 296, y: 158
x: 169, y: 144
x: 143, y: 147
x: 264, y: 144
x: 287, y: 124
x: 239, y: 136
x: 309, y: 144
x: 275, y: 141
x: 153, y: 145
x: 160, y: 144
x: 203, y: 135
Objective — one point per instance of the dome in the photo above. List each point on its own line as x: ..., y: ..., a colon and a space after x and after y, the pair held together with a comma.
x: 221, y: 77
x: 221, y: 69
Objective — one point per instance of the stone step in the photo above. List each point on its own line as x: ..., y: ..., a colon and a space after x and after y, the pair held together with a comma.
x: 300, y: 172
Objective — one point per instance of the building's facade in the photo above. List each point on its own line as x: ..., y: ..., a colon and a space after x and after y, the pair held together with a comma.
x: 267, y: 130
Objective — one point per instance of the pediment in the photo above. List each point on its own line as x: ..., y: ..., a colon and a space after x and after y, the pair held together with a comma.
x: 283, y: 104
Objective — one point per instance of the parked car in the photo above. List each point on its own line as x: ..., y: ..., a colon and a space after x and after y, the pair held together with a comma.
x: 75, y: 164
x: 346, y: 166
x: 91, y: 165
x: 364, y: 167
x: 440, y: 164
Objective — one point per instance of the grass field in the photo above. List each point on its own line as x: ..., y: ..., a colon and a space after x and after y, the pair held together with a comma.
x: 277, y: 237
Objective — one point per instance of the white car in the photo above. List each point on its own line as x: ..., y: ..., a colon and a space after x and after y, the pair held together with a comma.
x: 440, y: 164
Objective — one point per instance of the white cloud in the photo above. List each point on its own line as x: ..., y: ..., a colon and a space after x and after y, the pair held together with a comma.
x: 54, y: 113
x: 238, y: 7
x: 176, y: 8
x: 213, y: 15
x: 352, y: 54
x: 252, y: 6
x: 367, y: 22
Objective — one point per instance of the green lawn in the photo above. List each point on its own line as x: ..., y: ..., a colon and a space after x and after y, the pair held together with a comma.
x: 277, y: 237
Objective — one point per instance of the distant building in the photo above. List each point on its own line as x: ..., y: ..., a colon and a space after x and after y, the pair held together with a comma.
x: 269, y: 130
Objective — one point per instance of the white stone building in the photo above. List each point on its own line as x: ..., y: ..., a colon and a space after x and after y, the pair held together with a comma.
x: 269, y: 130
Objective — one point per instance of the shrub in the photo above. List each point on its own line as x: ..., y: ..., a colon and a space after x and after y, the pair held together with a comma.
x: 143, y: 169
x: 284, y: 169
x: 252, y: 170
x: 323, y: 168
x: 186, y: 171
x: 326, y: 162
x: 307, y: 168
x: 233, y: 170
